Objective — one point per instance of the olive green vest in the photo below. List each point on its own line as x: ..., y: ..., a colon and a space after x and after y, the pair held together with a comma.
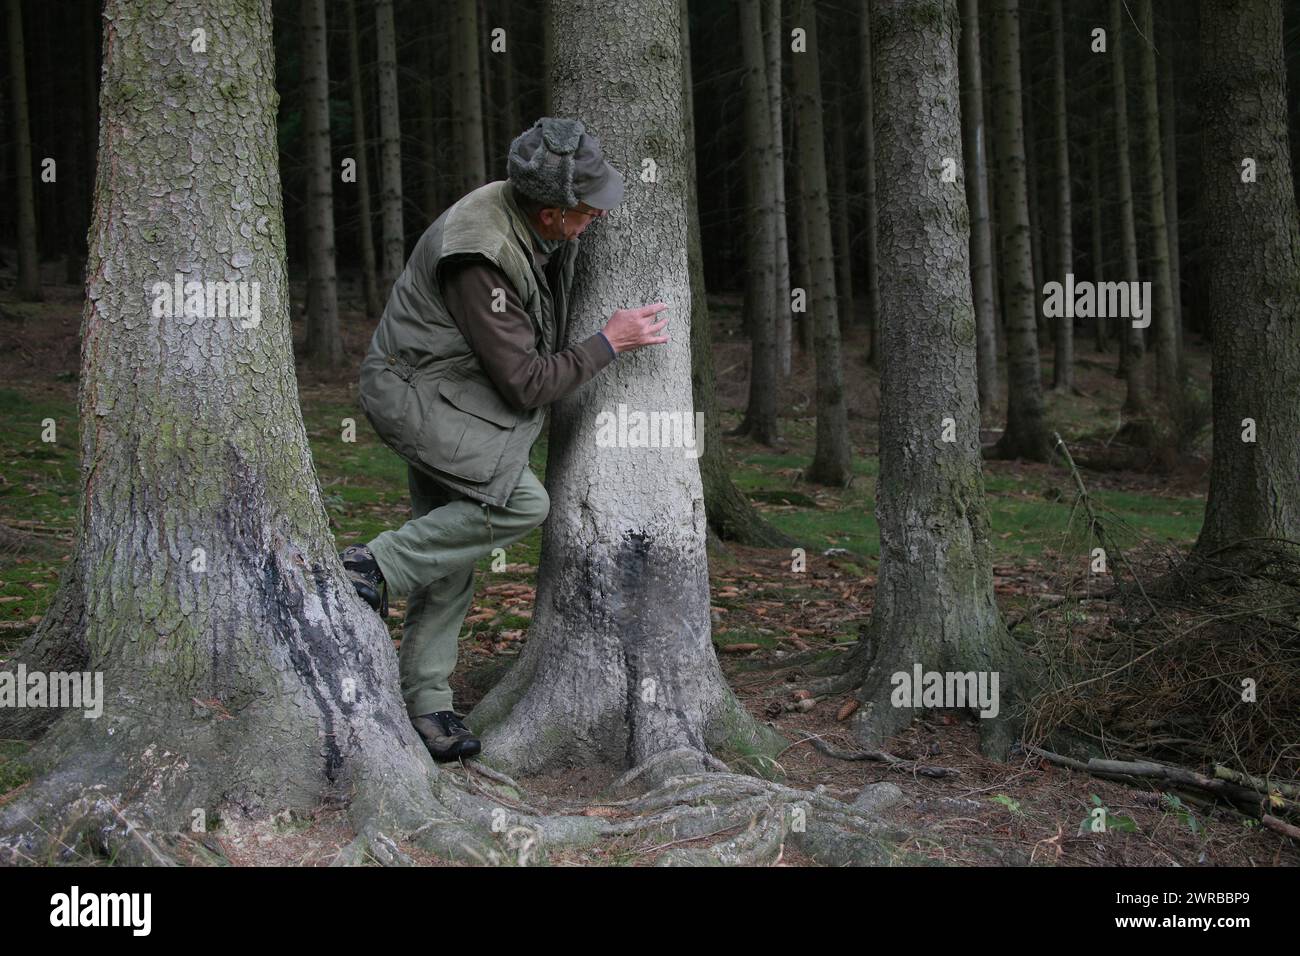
x: 422, y: 386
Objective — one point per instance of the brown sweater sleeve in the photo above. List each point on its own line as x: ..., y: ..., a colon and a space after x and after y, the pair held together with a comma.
x: 506, y: 342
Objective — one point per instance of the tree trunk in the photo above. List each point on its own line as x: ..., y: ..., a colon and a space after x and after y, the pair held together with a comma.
x: 831, y: 463
x: 324, y: 347
x: 800, y: 261
x: 1026, y: 434
x: 869, y: 175
x: 1063, y: 360
x: 241, y: 674
x: 840, y: 219
x: 467, y: 102
x: 1135, y: 402
x: 1252, y: 261
x: 428, y: 120
x: 360, y: 149
x: 730, y: 514
x: 760, y: 421
x: 390, y: 147
x: 619, y: 667
x: 1169, y: 389
x: 774, y: 42
x: 1169, y: 149
x: 977, y: 193
x: 29, y: 261
x: 1101, y: 328
x: 934, y: 600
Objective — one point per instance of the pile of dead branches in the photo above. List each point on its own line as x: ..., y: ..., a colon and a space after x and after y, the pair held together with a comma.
x: 1170, y: 661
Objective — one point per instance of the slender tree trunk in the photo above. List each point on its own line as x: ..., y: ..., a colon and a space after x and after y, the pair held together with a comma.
x: 801, y: 262
x: 869, y: 175
x: 831, y: 463
x: 1101, y: 328
x: 467, y: 100
x: 324, y: 346
x: 934, y: 600
x: 390, y: 148
x: 730, y: 514
x: 428, y: 122
x: 760, y: 279
x: 774, y: 40
x: 365, y: 233
x: 1026, y: 434
x: 630, y: 679
x: 977, y: 194
x: 1169, y: 388
x: 29, y: 261
x: 1063, y: 364
x: 1169, y: 148
x: 1135, y: 402
x: 840, y: 220
x: 1252, y: 261
x: 1034, y: 197
x: 241, y: 674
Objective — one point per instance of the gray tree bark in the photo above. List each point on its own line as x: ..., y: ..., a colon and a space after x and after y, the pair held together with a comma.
x: 773, y: 40
x: 390, y: 148
x: 1169, y: 388
x: 360, y: 149
x: 241, y: 674
x: 1102, y: 325
x: 1252, y: 261
x: 840, y: 218
x: 977, y: 194
x: 832, y: 458
x: 1026, y: 433
x: 869, y: 175
x: 324, y: 346
x: 760, y: 305
x: 467, y: 96
x: 1136, y: 409
x: 1063, y: 355
x: 1169, y: 150
x: 934, y: 600
x: 29, y: 260
x: 619, y: 667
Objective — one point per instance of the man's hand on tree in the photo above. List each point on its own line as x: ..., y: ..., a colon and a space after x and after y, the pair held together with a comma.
x: 630, y: 329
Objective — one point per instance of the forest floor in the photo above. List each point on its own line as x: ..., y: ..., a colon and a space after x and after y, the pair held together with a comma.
x: 762, y: 610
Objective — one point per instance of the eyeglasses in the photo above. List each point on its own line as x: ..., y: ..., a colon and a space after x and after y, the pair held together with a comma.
x: 588, y: 212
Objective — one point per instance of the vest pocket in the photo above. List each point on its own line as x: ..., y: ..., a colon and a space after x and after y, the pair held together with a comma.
x: 466, y: 429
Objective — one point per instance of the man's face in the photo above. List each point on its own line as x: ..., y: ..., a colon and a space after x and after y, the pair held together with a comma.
x: 568, y: 224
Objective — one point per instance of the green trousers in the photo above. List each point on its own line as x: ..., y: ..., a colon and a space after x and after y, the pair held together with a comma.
x: 430, y: 560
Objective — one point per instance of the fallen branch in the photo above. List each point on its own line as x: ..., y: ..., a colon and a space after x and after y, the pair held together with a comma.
x: 881, y: 756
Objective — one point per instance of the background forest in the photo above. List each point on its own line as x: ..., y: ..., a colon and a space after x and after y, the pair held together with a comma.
x: 1144, y: 582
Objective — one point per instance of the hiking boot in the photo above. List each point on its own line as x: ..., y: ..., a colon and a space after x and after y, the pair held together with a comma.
x: 363, y: 570
x: 446, y: 736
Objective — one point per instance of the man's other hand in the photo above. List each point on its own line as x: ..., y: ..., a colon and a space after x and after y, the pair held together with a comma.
x: 630, y: 329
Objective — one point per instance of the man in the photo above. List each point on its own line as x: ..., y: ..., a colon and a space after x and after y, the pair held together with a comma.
x: 460, y: 370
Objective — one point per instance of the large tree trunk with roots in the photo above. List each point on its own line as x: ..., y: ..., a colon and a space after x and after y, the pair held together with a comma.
x: 619, y: 667
x: 1252, y: 242
x: 241, y: 674
x: 760, y: 305
x: 1026, y: 434
x: 324, y: 346
x: 832, y: 457
x: 934, y: 600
